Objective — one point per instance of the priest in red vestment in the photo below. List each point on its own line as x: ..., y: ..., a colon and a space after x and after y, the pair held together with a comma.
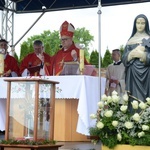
x: 37, y: 63
x: 11, y: 68
x: 69, y: 51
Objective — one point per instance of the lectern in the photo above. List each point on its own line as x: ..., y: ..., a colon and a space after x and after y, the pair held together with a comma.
x: 30, y: 108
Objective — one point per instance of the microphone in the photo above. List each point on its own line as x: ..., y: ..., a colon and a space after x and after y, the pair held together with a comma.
x: 41, y: 66
x: 30, y: 64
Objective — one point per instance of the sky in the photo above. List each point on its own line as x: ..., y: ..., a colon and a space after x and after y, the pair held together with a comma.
x: 115, y: 24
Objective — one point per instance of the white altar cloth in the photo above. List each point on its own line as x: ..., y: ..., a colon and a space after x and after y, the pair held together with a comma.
x: 84, y: 88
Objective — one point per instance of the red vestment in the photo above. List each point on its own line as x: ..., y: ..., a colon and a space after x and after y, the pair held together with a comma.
x: 64, y: 56
x: 32, y: 60
x: 10, y: 63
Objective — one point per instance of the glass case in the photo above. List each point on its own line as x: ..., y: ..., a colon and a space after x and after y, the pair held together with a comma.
x: 30, y: 108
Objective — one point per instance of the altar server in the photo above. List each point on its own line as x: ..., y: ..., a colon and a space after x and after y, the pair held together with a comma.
x: 115, y: 75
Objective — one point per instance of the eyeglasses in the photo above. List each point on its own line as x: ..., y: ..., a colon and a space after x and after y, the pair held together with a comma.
x: 3, y: 44
x: 64, y: 39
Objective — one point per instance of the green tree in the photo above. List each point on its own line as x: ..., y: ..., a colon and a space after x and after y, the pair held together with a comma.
x: 101, y: 61
x: 16, y: 56
x: 94, y: 58
x: 121, y: 49
x: 24, y: 50
x: 107, y: 58
x: 83, y: 36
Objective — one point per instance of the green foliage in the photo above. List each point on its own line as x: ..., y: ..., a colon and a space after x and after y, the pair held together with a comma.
x: 16, y: 56
x: 121, y: 49
x: 94, y: 131
x: 52, y: 41
x: 24, y: 50
x: 111, y: 143
x: 101, y: 62
x: 107, y: 59
x: 94, y: 58
x: 83, y: 36
x: 47, y: 49
x: 27, y: 142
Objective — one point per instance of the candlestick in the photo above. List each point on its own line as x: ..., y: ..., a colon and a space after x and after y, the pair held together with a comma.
x: 81, y: 65
x: 1, y: 64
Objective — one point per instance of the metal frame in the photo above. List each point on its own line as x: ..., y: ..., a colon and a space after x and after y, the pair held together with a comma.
x: 8, y: 22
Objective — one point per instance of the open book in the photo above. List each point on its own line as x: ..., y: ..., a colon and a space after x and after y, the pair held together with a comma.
x: 70, y: 68
x: 34, y: 69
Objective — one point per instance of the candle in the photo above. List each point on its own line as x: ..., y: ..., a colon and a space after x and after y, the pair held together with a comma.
x: 1, y: 64
x: 81, y: 65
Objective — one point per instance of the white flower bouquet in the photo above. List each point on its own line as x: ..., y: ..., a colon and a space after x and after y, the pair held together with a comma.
x: 115, y: 124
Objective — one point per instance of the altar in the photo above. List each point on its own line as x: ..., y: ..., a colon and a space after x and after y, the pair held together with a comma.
x: 76, y: 99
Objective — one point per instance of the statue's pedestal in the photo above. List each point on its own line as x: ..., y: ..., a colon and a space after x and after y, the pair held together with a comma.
x: 126, y: 147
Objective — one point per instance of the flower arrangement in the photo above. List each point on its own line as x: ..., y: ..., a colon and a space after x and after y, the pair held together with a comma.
x: 125, y: 123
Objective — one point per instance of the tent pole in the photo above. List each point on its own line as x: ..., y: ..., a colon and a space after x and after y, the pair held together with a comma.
x: 29, y: 28
x: 99, y: 43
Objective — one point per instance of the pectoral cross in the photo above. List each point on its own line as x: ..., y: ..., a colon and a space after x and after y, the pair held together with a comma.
x: 146, y: 42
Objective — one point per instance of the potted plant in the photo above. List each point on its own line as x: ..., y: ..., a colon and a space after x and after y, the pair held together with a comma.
x: 117, y: 124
